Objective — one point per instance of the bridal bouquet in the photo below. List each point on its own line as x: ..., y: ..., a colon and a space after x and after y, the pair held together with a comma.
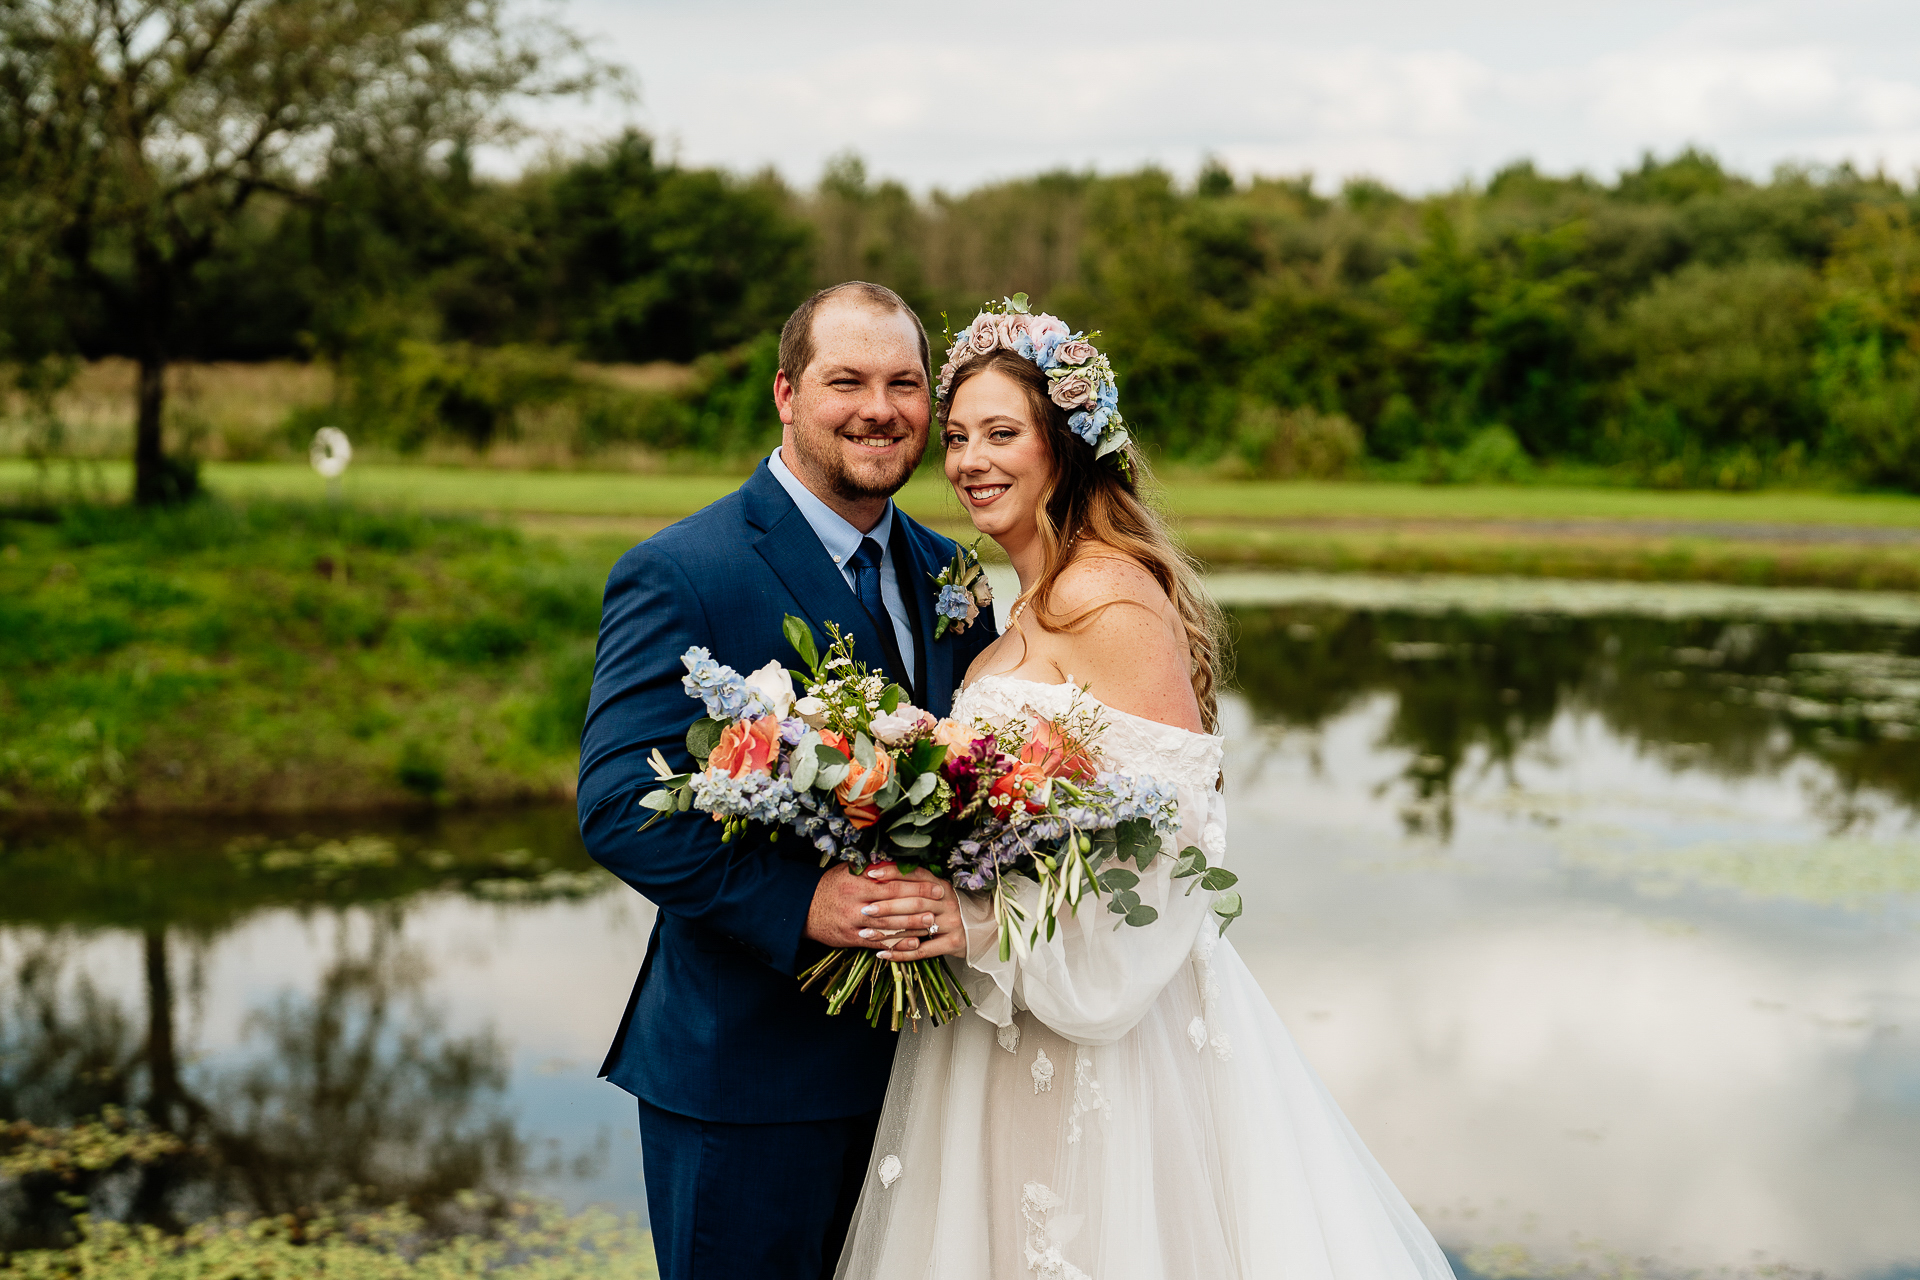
x: 865, y: 778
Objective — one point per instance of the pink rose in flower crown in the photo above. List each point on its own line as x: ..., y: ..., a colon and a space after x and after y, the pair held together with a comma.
x: 1073, y: 391
x: 983, y: 336
x: 747, y: 746
x: 1078, y: 351
x: 1044, y: 326
x: 1017, y: 324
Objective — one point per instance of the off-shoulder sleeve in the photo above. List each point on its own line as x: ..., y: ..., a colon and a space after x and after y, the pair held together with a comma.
x: 1093, y: 981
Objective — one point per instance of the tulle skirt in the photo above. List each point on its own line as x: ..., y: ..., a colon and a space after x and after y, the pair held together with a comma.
x: 1191, y: 1147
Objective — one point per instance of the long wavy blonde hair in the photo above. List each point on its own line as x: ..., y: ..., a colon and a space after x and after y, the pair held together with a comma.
x: 1090, y: 499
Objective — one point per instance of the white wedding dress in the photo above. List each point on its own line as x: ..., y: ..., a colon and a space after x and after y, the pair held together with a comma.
x: 1122, y: 1104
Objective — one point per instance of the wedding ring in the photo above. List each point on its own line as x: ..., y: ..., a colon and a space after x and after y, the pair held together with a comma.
x: 932, y: 929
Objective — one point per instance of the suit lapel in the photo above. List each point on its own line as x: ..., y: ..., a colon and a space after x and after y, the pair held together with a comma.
x: 792, y: 550
x: 932, y: 659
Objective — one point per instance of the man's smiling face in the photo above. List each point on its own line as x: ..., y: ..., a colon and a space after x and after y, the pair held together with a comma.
x: 856, y: 419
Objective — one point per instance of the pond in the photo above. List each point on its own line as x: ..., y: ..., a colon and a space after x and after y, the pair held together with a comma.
x: 1598, y: 911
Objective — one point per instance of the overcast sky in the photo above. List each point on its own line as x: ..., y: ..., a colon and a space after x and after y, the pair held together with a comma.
x: 1420, y: 93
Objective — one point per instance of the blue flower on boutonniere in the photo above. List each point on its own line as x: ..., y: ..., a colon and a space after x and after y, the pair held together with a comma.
x: 964, y: 592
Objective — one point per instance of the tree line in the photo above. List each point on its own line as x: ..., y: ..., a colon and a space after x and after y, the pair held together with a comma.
x: 1675, y: 324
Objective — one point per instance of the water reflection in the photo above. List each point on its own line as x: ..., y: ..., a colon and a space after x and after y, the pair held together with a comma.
x: 1731, y: 698
x: 272, y: 998
x: 1603, y: 927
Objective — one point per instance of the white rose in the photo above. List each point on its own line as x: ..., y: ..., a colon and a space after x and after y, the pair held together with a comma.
x: 773, y: 684
x: 896, y: 727
x: 813, y: 711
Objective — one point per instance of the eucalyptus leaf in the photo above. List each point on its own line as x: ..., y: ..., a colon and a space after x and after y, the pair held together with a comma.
x: 686, y: 799
x: 805, y: 767
x: 1113, y: 442
x: 1219, y: 878
x: 891, y: 697
x: 832, y: 775
x: 1227, y: 906
x: 1118, y: 878
x: 889, y: 795
x: 829, y: 755
x: 922, y: 787
x: 664, y: 801
x: 1141, y: 916
x: 1190, y: 863
x: 910, y: 839
x: 703, y: 735
x: 863, y: 750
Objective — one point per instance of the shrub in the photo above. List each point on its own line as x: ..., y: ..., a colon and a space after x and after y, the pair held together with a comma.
x: 1296, y: 444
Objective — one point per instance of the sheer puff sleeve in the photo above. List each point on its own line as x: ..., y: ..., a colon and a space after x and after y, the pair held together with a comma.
x: 1097, y: 976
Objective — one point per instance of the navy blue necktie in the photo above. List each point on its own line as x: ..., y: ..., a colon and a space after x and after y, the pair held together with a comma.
x: 865, y: 564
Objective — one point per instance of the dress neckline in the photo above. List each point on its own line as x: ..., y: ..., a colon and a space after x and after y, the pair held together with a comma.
x: 1146, y: 722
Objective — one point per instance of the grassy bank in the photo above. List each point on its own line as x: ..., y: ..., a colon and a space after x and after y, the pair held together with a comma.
x: 1774, y: 537
x: 602, y: 493
x: 535, y: 1244
x: 285, y: 657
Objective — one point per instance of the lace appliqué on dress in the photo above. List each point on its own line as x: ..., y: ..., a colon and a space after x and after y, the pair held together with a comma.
x: 1009, y: 1037
x: 1042, y: 1073
x: 1045, y: 1236
x: 889, y: 1172
x: 1088, y: 1096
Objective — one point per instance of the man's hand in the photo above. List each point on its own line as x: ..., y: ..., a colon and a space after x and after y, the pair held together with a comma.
x: 903, y: 916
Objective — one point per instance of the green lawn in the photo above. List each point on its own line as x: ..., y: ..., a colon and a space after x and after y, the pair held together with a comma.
x: 591, y: 493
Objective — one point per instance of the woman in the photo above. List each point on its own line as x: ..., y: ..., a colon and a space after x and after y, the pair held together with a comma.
x: 1121, y: 1103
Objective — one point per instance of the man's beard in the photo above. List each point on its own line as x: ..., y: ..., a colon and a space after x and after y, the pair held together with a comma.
x: 845, y: 485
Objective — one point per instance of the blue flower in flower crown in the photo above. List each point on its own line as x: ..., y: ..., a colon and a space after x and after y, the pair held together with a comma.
x: 1094, y: 397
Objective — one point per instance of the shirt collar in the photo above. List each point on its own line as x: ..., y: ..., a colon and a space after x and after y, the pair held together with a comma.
x: 840, y: 538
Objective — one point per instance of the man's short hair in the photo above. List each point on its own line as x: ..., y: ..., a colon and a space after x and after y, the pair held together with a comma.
x: 796, y: 336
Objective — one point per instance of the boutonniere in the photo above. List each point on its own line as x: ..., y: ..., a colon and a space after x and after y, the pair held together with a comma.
x: 964, y: 592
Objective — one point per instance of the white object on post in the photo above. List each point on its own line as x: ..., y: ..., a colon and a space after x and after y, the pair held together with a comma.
x: 330, y: 454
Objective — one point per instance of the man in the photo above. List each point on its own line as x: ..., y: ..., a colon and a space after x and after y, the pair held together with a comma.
x: 757, y: 1109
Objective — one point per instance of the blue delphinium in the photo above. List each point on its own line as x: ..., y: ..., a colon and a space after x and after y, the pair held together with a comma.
x: 759, y: 796
x: 1084, y: 426
x: 721, y: 688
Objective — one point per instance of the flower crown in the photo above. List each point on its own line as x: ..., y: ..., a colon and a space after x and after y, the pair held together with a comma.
x: 1079, y: 379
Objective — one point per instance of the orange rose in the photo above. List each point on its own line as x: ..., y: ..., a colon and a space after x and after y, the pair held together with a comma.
x: 862, y: 784
x: 1053, y: 755
x: 747, y: 746
x: 1020, y: 785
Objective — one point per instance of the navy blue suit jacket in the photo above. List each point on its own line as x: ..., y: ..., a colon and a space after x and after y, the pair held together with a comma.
x: 717, y: 1027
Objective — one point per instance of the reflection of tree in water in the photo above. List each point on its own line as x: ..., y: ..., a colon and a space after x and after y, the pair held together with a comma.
x: 1736, y: 698
x: 357, y: 1087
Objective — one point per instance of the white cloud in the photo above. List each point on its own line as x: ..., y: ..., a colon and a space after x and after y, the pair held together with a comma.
x: 1416, y: 93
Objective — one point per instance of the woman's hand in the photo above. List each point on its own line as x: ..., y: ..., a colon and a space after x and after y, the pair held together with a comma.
x: 926, y: 916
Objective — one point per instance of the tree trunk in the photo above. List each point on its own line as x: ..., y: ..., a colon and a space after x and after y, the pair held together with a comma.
x: 157, y: 479
x: 163, y: 1066
x: 150, y: 478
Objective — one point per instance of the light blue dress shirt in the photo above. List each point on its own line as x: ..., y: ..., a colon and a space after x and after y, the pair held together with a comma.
x: 841, y: 540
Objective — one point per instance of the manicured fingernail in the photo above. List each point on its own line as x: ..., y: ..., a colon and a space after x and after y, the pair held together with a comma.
x: 866, y: 910
x: 884, y: 955
x: 938, y: 893
x: 869, y: 933
x: 875, y: 872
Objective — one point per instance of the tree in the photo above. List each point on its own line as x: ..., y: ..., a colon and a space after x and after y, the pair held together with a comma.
x: 134, y: 134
